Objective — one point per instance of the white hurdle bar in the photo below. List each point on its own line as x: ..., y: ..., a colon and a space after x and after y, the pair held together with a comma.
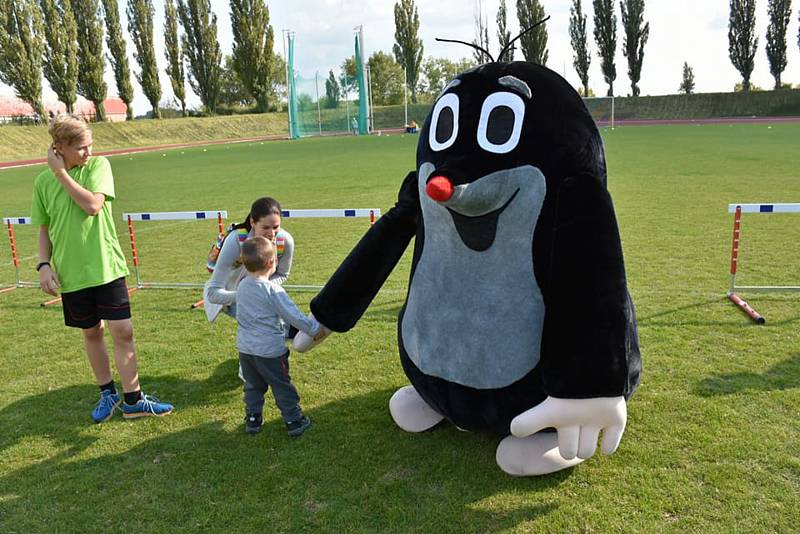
x: 9, y: 222
x: 737, y: 210
x: 217, y: 215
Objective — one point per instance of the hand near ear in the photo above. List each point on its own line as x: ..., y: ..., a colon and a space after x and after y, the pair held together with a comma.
x: 55, y: 160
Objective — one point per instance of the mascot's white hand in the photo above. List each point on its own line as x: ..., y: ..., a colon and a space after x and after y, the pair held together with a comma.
x: 578, y: 421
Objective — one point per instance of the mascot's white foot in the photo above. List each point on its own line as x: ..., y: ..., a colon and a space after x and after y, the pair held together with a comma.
x: 532, y: 455
x: 410, y: 412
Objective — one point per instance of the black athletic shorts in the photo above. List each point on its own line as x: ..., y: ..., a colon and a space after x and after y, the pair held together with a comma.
x: 84, y: 308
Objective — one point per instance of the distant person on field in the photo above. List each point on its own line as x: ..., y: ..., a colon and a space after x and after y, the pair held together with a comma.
x: 79, y: 254
x: 261, y: 307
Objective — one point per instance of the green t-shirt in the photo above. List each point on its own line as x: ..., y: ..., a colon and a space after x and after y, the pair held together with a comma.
x: 86, y: 251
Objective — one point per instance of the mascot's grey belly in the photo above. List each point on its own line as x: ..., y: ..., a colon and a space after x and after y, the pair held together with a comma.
x: 471, y: 330
x: 475, y: 317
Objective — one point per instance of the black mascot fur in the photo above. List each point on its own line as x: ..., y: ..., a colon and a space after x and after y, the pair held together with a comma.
x: 517, y: 291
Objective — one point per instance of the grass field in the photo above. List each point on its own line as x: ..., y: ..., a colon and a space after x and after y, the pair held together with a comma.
x: 713, y: 437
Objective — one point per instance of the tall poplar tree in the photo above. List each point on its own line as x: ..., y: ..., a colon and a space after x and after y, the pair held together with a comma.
x: 481, y: 35
x: 140, y: 26
x: 503, y: 35
x: 742, y: 40
x: 332, y: 91
x: 119, y: 55
x: 90, y: 51
x: 605, y: 35
x: 636, y: 33
x: 533, y: 43
x: 60, y: 62
x: 408, y: 46
x: 687, y: 82
x: 779, y: 12
x: 21, y: 50
x: 202, y: 49
x: 253, y: 39
x: 174, y: 54
x: 577, y: 36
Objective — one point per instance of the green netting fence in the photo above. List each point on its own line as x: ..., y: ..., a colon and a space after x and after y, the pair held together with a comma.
x: 320, y: 106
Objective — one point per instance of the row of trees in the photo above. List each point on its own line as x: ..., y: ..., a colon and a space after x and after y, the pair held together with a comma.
x: 47, y: 37
x: 743, y: 42
x: 741, y: 37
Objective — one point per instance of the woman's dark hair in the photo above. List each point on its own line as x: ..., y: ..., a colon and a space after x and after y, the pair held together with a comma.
x: 261, y: 208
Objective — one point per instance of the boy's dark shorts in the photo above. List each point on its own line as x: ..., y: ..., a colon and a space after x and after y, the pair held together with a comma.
x: 84, y: 308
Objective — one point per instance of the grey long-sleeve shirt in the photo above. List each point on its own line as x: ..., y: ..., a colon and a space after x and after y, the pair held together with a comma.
x: 260, y: 306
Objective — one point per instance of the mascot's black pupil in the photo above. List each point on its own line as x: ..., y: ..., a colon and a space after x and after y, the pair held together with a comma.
x: 500, y: 125
x: 444, y: 126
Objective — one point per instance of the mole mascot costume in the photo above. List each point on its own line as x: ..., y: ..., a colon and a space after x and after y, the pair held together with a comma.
x: 518, y: 318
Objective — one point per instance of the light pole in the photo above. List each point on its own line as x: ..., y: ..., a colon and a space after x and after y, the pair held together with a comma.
x: 405, y: 94
x: 286, y: 34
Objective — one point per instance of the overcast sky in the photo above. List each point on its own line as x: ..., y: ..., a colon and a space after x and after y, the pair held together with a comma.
x: 680, y: 30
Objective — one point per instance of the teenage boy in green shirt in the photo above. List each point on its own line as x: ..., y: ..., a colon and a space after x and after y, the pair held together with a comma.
x: 79, y: 253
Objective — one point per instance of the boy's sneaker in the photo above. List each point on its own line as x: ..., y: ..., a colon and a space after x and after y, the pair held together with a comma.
x: 105, y: 407
x: 252, y: 423
x: 146, y: 407
x: 296, y: 428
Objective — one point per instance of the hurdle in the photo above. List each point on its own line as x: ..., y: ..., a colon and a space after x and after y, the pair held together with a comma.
x: 10, y: 222
x: 220, y: 215
x: 18, y: 281
x: 217, y: 215
x: 737, y: 210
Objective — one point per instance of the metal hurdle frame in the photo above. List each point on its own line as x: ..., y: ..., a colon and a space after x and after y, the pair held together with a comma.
x: 220, y: 215
x: 18, y: 283
x: 737, y: 210
x: 9, y: 222
x: 129, y: 218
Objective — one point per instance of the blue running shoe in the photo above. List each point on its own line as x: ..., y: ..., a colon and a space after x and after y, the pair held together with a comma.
x: 105, y: 407
x: 147, y: 406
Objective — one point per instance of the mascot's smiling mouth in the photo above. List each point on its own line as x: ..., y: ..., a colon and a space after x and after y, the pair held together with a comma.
x: 479, y: 210
x: 478, y: 232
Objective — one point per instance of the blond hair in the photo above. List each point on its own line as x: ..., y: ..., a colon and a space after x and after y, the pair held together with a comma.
x: 257, y: 253
x: 67, y: 128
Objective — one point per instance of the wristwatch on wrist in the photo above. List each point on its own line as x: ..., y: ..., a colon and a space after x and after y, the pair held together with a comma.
x: 42, y: 264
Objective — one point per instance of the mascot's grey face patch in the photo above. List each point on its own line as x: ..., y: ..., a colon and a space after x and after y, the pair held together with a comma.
x: 474, y: 314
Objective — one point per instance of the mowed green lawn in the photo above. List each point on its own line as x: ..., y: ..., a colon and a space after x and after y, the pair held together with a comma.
x: 713, y: 432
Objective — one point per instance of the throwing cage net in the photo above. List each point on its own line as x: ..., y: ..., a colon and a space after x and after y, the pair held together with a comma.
x: 325, y: 103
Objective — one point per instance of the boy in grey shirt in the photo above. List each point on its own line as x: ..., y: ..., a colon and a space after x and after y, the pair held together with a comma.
x: 260, y: 307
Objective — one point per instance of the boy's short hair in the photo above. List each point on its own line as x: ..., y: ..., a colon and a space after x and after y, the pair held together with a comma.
x: 67, y: 128
x: 257, y: 251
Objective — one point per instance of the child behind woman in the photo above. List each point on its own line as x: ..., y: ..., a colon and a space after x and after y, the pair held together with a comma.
x: 264, y: 358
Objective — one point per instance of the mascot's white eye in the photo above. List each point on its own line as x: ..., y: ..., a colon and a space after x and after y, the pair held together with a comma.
x: 444, y: 123
x: 501, y: 122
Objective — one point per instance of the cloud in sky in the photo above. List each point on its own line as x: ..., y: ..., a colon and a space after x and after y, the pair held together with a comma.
x: 680, y: 30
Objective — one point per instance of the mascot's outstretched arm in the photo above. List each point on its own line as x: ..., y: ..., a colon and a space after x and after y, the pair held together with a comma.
x: 348, y: 293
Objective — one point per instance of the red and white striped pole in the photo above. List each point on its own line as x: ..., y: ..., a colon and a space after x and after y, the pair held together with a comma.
x: 135, y: 255
x: 732, y: 296
x: 14, y: 255
x: 737, y: 218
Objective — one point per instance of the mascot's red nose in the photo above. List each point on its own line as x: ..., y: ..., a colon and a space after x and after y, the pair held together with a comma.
x: 439, y: 188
